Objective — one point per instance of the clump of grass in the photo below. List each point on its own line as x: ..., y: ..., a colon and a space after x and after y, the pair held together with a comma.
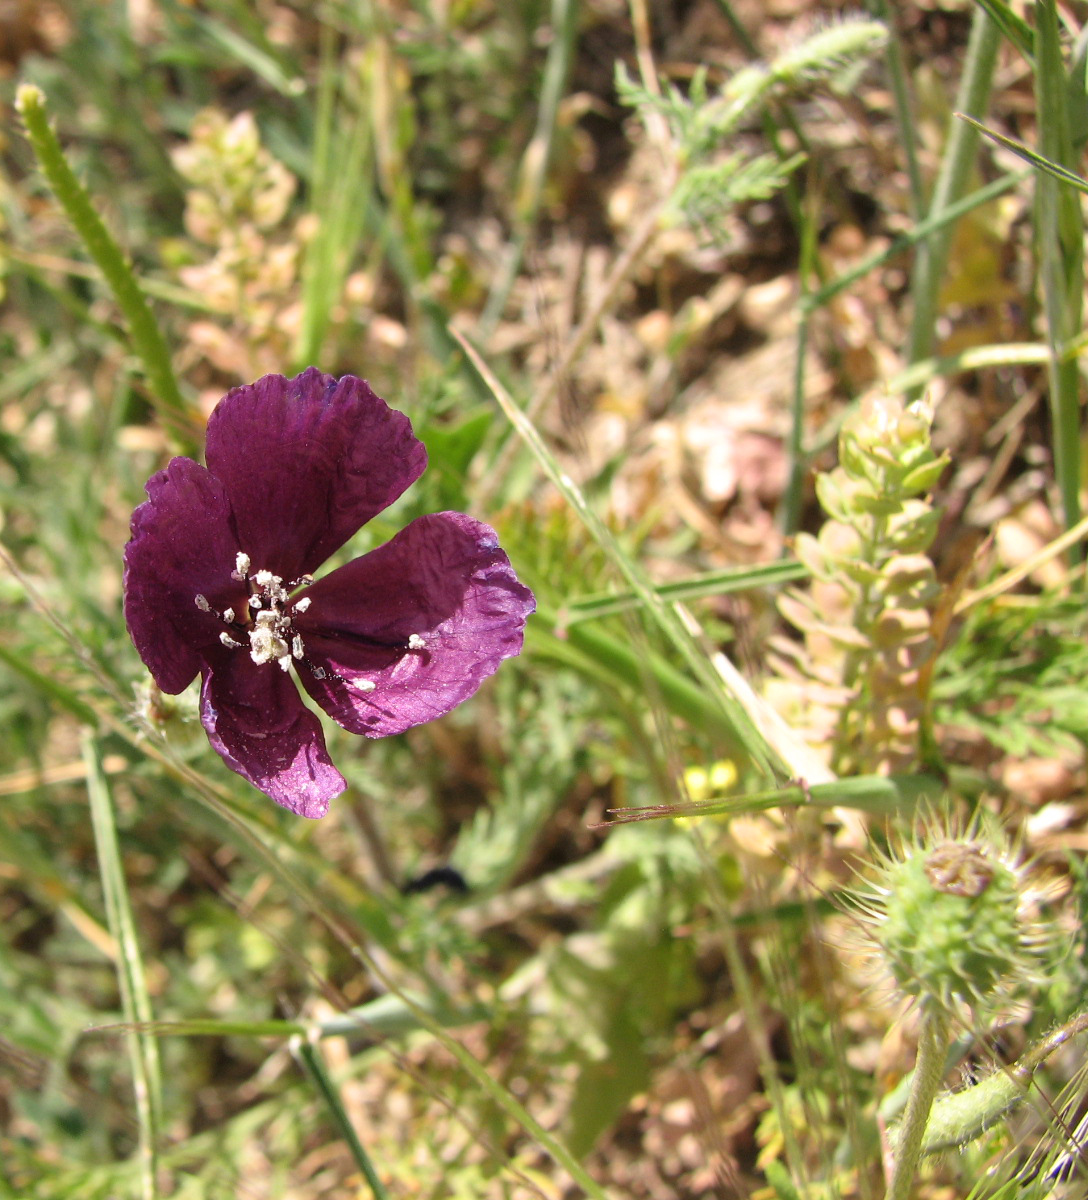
x: 461, y: 982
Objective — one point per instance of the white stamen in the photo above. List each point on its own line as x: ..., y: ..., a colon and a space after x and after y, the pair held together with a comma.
x: 415, y: 642
x: 229, y: 642
x: 254, y: 602
x: 242, y: 564
x: 296, y: 647
x: 263, y: 579
x: 302, y: 605
x: 285, y: 662
x: 202, y: 603
x: 228, y: 615
x: 363, y: 685
x: 319, y: 672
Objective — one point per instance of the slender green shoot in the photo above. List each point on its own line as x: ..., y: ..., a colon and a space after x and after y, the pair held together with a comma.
x: 908, y: 241
x: 1037, y: 160
x: 746, y: 738
x: 710, y: 583
x: 952, y: 178
x: 929, y: 1069
x: 147, y: 339
x: 534, y: 163
x: 310, y: 1059
x: 1059, y: 229
x: 135, y: 999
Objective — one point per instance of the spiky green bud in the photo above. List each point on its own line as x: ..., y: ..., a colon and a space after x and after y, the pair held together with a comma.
x: 954, y: 917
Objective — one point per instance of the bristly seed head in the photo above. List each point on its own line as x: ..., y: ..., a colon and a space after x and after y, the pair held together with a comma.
x: 954, y: 916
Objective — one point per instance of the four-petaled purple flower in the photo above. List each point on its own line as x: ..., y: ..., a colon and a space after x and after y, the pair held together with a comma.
x: 218, y: 580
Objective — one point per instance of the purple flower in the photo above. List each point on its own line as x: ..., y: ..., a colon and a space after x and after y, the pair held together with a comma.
x: 219, y: 580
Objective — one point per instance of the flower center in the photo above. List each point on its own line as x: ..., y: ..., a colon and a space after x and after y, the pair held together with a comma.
x: 263, y: 620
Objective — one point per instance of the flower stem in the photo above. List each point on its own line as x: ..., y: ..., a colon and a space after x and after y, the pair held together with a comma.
x: 928, y: 1072
x: 146, y: 337
x: 959, y: 157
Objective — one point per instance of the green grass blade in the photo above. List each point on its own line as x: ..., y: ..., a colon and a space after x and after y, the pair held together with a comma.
x: 341, y: 199
x: 534, y: 164
x: 1059, y: 230
x: 904, y: 114
x: 147, y: 339
x: 921, y: 231
x: 956, y: 164
x: 310, y: 1058
x: 977, y: 358
x: 135, y: 999
x: 744, y: 734
x: 1038, y: 161
x: 711, y: 583
x: 1013, y: 26
x: 880, y: 795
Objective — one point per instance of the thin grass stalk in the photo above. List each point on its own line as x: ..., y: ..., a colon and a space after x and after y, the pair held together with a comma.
x: 938, y: 221
x: 959, y: 157
x: 622, y: 269
x: 1059, y: 229
x: 710, y: 583
x: 750, y: 1003
x: 795, y: 447
x: 904, y: 109
x: 340, y: 198
x: 312, y: 1062
x: 146, y: 337
x: 534, y: 163
x: 135, y: 999
x: 755, y: 746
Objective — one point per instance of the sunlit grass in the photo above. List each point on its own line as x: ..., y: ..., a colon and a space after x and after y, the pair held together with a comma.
x: 590, y: 933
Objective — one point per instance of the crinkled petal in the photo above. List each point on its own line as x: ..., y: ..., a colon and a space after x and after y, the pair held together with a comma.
x: 182, y: 546
x: 306, y: 462
x: 424, y: 619
x: 256, y: 720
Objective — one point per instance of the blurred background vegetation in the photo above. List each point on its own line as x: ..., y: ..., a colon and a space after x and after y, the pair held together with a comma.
x: 641, y: 274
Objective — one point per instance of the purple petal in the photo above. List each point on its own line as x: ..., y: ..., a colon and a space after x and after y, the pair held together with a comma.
x: 306, y: 462
x: 256, y: 720
x: 424, y: 618
x: 182, y: 547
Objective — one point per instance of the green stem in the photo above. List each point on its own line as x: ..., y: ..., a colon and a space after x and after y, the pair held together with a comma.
x: 309, y: 1057
x: 960, y: 1118
x: 795, y: 449
x: 904, y: 117
x: 959, y: 157
x: 1060, y: 236
x: 928, y: 1073
x: 146, y: 337
x: 534, y: 164
x: 132, y: 982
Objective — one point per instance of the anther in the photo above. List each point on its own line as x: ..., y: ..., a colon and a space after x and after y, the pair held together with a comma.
x: 202, y: 603
x: 415, y: 642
